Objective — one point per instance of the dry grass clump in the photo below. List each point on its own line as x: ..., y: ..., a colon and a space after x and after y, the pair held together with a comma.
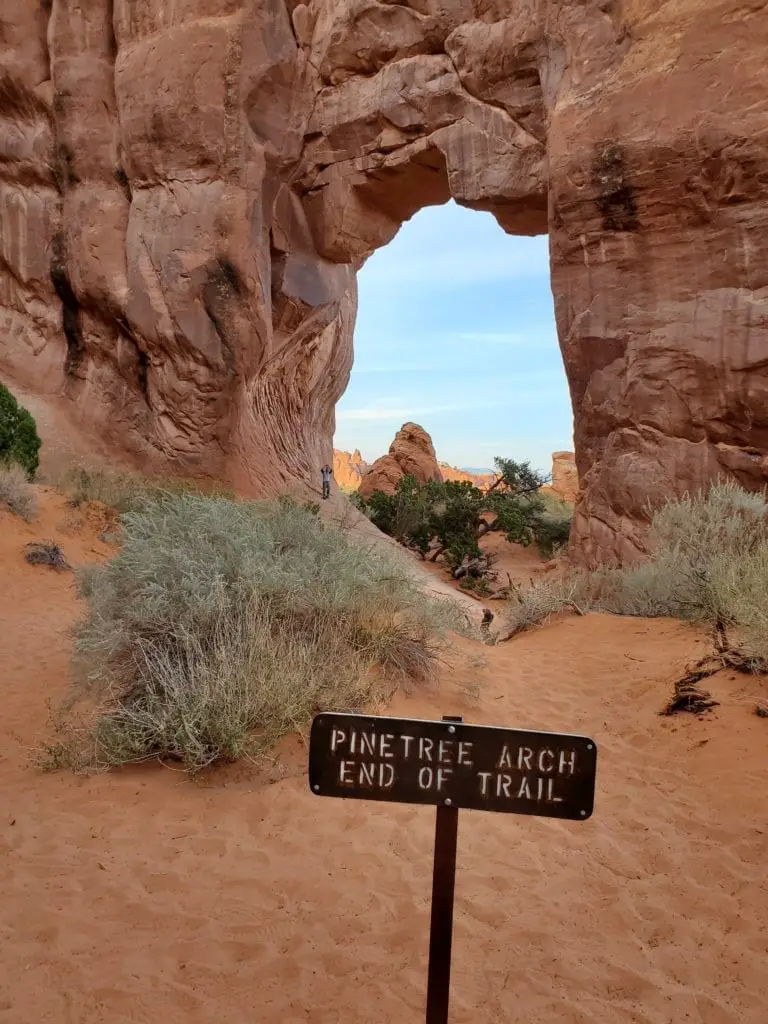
x: 709, y: 563
x: 220, y: 626
x: 46, y: 552
x: 121, y: 490
x: 16, y: 492
x: 541, y: 600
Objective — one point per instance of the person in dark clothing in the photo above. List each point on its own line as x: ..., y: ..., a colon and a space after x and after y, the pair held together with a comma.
x: 326, y: 472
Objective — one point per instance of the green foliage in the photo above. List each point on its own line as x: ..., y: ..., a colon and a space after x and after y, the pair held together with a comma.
x: 553, y: 528
x: 356, y: 499
x: 517, y: 477
x: 222, y: 625
x: 401, y: 515
x: 19, y: 440
x: 451, y: 517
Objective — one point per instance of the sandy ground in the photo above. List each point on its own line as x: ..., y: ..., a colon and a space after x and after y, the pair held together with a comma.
x: 145, y: 897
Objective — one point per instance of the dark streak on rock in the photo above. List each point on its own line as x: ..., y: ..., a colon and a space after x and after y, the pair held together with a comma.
x: 71, y: 314
x: 110, y: 15
x: 64, y: 172
x: 616, y: 199
x: 142, y: 370
x: 122, y: 180
x: 140, y: 359
x: 221, y: 289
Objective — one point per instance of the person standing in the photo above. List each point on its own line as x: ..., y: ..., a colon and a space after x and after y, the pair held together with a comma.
x: 326, y: 472
x: 485, y: 625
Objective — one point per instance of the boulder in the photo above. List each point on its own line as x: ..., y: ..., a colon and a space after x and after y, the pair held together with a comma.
x: 410, y: 454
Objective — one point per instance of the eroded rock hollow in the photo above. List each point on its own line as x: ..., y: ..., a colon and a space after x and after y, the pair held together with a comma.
x: 187, y: 191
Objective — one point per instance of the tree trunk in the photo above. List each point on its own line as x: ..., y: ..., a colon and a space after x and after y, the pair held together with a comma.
x: 486, y: 527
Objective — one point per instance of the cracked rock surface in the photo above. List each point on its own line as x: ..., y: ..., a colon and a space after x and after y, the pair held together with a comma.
x: 188, y: 189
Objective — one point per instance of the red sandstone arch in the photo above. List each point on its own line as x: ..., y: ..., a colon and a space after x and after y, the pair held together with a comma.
x: 187, y: 190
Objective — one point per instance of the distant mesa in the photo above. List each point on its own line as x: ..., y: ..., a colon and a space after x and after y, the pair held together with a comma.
x: 412, y: 452
x: 480, y: 478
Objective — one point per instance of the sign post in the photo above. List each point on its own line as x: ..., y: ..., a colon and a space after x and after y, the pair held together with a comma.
x: 451, y: 765
x: 441, y: 922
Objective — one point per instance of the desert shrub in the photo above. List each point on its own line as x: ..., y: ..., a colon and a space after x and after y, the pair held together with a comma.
x: 356, y: 499
x: 709, y: 563
x: 16, y: 493
x: 553, y: 525
x: 19, y: 440
x: 220, y: 626
x: 121, y: 490
x: 738, y: 589
x: 693, y: 541
x: 725, y: 519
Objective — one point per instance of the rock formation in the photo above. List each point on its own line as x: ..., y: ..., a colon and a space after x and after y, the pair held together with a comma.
x: 348, y: 470
x: 481, y: 480
x: 187, y: 190
x: 565, y: 477
x: 410, y: 454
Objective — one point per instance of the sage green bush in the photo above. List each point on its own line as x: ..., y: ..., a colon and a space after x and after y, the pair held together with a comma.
x: 222, y: 625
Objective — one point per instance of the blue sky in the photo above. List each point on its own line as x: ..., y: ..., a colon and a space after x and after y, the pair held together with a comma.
x: 455, y: 331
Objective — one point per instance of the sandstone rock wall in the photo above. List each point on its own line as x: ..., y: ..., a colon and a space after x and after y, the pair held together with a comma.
x: 410, y: 454
x: 187, y: 190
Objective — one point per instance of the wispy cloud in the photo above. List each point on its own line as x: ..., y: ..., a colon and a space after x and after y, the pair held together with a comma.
x: 403, y: 414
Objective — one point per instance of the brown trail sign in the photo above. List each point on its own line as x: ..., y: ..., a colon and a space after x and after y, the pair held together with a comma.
x: 453, y: 765
x: 474, y: 767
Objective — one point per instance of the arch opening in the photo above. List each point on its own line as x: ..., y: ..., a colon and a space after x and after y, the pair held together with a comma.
x: 456, y: 332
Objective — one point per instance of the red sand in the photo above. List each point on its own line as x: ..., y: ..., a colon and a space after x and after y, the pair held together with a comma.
x: 145, y: 897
